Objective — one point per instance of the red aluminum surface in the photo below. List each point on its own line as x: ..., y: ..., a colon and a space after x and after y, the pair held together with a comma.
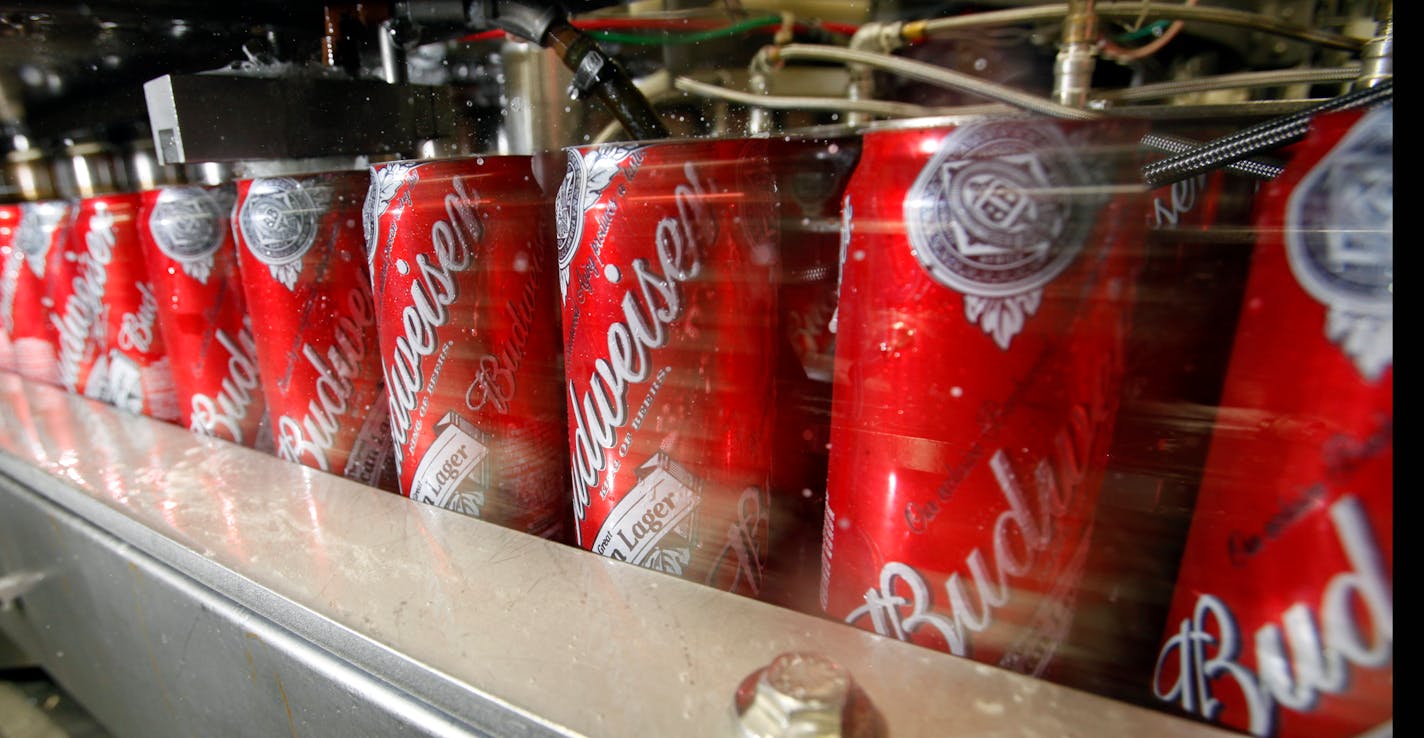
x: 1282, y: 623
x: 667, y: 258
x: 302, y: 260
x: 29, y: 234
x: 463, y: 264
x: 984, y: 301
x: 188, y: 245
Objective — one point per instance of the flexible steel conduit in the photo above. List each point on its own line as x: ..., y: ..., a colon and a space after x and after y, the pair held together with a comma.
x: 1258, y: 138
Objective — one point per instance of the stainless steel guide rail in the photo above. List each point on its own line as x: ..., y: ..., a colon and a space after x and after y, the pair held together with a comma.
x: 188, y: 586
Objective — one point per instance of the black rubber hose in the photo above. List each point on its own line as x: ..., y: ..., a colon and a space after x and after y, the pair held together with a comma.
x: 1257, y: 139
x: 597, y: 73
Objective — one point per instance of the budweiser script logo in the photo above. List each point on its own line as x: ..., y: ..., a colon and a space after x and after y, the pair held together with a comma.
x: 229, y: 409
x: 431, y: 293
x: 1207, y: 647
x: 496, y: 381
x: 136, y: 329
x: 1019, y: 536
x: 602, y: 408
x: 308, y: 439
x: 82, y: 309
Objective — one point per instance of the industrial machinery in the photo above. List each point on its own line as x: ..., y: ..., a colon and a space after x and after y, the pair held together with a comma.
x: 731, y: 368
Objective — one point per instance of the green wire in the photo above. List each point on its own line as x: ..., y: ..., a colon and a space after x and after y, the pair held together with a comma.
x: 1147, y: 31
x: 664, y: 38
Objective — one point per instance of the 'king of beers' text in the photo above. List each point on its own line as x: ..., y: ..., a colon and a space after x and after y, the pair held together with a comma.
x: 649, y: 307
x: 432, y: 291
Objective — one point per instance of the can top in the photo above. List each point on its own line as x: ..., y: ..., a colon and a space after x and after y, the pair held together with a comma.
x: 258, y: 168
x: 948, y: 121
x: 87, y: 170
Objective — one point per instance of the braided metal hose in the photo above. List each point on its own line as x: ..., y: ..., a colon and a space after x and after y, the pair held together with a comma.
x: 1255, y: 168
x: 1258, y: 138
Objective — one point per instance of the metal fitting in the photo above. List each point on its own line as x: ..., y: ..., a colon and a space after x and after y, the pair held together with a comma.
x: 805, y: 695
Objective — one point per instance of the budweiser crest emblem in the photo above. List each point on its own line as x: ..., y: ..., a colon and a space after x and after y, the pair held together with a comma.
x: 279, y: 222
x: 652, y: 526
x: 385, y: 180
x: 987, y: 218
x: 188, y: 225
x: 1340, y: 241
x: 38, y: 222
x: 585, y: 179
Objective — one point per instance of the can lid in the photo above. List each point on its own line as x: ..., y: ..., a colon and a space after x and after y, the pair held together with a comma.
x: 254, y: 168
x: 970, y: 115
x: 86, y: 170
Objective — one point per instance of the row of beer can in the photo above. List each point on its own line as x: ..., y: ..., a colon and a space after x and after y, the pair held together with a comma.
x: 875, y: 375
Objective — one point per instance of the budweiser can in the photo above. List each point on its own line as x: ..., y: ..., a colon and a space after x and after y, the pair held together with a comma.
x: 811, y: 170
x: 136, y: 368
x: 304, y: 274
x: 1196, y: 253
x: 186, y: 232
x: 77, y: 277
x: 667, y: 261
x: 463, y: 270
x: 984, y: 303
x: 1283, y: 619
x: 29, y: 234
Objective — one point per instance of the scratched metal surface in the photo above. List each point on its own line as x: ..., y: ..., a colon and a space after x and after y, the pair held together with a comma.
x: 383, y: 616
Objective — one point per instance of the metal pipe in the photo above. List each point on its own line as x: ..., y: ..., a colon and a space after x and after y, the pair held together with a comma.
x: 932, y: 74
x: 1077, y: 56
x: 1133, y: 11
x: 830, y: 104
x: 871, y: 37
x: 1378, y: 54
x: 392, y: 52
x: 1271, y: 78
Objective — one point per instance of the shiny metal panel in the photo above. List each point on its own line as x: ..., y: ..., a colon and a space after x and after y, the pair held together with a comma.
x: 197, y: 573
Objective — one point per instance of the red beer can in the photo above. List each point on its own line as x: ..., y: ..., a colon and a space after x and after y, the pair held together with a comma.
x: 304, y: 274
x: 667, y: 261
x: 1196, y: 253
x: 984, y: 303
x: 77, y: 277
x: 463, y: 267
x: 29, y: 233
x: 135, y: 365
x: 186, y: 232
x: 1283, y: 620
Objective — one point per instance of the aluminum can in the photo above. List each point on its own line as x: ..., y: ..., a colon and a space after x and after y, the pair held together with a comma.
x: 463, y: 266
x: 133, y: 361
x: 186, y: 232
x: 667, y: 261
x: 29, y: 233
x: 302, y: 259
x: 810, y: 170
x: 984, y: 303
x: 1282, y: 621
x: 1196, y: 254
x: 77, y: 278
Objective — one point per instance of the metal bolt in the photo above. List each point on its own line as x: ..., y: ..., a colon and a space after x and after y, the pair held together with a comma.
x: 804, y: 695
